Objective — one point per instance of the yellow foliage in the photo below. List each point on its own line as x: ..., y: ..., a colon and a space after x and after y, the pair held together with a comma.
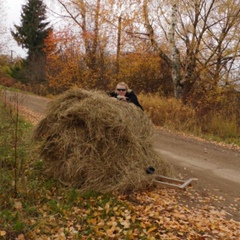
x: 168, y: 112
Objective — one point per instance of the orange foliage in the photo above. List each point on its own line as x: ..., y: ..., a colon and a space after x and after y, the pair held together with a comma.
x: 67, y: 66
x: 63, y: 57
x: 6, y: 81
x: 146, y: 72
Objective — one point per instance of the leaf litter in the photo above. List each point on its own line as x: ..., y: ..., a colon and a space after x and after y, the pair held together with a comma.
x: 153, y: 214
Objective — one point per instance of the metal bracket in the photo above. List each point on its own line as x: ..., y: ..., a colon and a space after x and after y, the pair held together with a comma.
x: 173, y: 182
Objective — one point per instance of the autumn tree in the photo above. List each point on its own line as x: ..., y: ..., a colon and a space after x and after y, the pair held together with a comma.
x: 202, y: 33
x: 102, y: 27
x: 146, y: 73
x: 87, y: 24
x: 63, y: 68
x: 197, y: 40
x: 30, y: 35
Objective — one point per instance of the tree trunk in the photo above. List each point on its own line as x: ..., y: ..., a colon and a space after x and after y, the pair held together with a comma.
x: 176, y: 65
x: 174, y: 61
x: 118, y: 44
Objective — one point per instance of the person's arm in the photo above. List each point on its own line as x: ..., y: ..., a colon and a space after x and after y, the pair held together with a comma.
x: 132, y: 97
x: 112, y: 94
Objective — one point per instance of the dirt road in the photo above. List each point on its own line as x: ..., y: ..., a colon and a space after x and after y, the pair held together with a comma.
x: 216, y: 167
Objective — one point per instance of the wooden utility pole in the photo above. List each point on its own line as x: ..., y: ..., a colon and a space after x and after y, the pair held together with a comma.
x: 118, y: 44
x: 11, y: 56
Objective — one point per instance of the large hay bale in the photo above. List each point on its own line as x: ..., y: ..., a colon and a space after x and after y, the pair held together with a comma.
x: 94, y: 142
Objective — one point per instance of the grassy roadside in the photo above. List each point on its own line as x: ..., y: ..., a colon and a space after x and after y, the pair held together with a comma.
x: 34, y: 206
x: 31, y: 204
x: 221, y: 126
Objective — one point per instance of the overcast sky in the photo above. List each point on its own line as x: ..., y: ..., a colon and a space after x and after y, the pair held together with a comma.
x: 14, y: 8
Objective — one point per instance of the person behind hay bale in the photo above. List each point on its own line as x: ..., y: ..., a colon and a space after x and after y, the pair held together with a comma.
x: 124, y: 93
x: 91, y: 142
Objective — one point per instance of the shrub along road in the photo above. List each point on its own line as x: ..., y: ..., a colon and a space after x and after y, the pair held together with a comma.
x: 215, y: 166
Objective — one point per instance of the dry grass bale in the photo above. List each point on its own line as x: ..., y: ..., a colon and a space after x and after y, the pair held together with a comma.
x: 94, y: 142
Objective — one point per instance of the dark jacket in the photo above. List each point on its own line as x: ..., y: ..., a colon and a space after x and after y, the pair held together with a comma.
x: 131, y: 97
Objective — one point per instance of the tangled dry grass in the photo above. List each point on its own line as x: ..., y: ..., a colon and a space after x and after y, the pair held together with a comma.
x: 91, y: 141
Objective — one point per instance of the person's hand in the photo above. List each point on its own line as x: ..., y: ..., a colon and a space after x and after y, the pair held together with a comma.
x: 122, y: 98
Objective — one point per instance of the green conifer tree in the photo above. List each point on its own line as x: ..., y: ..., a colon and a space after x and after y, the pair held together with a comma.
x: 30, y: 34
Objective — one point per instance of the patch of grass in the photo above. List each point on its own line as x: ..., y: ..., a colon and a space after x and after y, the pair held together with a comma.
x: 43, y: 206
